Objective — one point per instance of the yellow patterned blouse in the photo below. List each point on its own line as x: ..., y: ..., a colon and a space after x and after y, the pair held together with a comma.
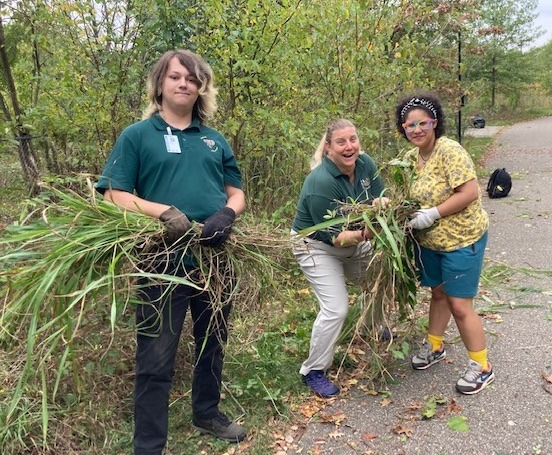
x: 449, y: 166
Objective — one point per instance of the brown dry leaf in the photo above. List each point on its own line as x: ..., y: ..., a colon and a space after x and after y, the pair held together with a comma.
x: 545, y: 377
x: 415, y: 406
x: 369, y: 436
x: 304, y: 291
x: 317, y: 450
x: 452, y: 407
x: 385, y: 402
x: 369, y: 391
x: 336, y: 434
x: 336, y: 418
x: 401, y: 429
x: 244, y: 447
x: 490, y: 315
x: 310, y: 409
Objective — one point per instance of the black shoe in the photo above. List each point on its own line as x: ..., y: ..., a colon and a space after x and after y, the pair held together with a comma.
x: 221, y: 427
x: 388, y: 335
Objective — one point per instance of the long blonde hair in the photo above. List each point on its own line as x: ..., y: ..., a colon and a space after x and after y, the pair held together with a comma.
x: 205, y: 106
x: 320, y: 151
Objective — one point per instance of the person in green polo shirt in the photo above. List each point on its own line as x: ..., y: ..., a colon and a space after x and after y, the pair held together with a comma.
x: 340, y: 173
x: 173, y: 167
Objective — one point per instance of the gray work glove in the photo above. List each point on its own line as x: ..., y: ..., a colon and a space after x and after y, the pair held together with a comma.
x: 424, y: 218
x: 176, y: 224
x: 217, y: 227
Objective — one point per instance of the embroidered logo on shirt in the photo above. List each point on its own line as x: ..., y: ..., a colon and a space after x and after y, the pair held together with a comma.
x: 366, y: 183
x: 210, y: 143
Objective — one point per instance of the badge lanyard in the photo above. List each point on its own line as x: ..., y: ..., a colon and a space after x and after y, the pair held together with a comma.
x: 171, y: 142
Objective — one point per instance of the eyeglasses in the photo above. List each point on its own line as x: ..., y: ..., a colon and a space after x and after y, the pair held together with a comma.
x: 423, y: 124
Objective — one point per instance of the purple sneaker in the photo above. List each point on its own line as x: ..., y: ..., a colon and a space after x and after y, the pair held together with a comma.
x: 320, y: 384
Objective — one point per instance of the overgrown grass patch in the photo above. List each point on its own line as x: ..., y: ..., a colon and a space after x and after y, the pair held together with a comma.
x: 508, y: 117
x: 67, y: 319
x: 477, y: 147
x: 13, y: 190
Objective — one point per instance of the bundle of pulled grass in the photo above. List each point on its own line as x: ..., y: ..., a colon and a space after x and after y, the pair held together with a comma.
x: 75, y: 258
x: 388, y: 292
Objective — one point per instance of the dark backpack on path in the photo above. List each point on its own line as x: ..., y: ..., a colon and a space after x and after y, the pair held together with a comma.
x: 500, y: 183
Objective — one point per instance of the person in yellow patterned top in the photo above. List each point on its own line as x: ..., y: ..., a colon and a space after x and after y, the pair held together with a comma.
x: 451, y: 232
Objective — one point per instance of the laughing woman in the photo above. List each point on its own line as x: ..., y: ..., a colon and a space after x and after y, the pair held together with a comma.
x: 340, y: 173
x: 451, y: 233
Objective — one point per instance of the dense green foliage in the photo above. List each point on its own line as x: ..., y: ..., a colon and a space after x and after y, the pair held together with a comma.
x: 495, y: 63
x: 284, y: 68
x: 543, y: 57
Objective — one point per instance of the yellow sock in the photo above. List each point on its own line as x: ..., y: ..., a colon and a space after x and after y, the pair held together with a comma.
x: 435, y: 341
x: 480, y: 357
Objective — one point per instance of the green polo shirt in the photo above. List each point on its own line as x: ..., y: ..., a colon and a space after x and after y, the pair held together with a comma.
x: 326, y: 184
x: 188, y: 171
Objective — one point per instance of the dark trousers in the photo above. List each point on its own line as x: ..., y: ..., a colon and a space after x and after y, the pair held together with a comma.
x: 159, y: 322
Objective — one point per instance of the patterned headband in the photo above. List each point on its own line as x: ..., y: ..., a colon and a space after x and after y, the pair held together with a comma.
x: 417, y: 102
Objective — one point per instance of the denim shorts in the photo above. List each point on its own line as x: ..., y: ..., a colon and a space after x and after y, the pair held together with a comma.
x: 458, y: 271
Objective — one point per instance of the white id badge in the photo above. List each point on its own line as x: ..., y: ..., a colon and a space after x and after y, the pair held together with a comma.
x: 172, y: 144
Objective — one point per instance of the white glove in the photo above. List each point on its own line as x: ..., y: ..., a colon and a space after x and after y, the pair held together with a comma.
x: 424, y: 218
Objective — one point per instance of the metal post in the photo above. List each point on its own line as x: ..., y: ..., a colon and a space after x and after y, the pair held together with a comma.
x: 459, y: 116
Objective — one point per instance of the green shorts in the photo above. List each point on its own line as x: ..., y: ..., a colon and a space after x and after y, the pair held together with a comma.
x: 458, y: 271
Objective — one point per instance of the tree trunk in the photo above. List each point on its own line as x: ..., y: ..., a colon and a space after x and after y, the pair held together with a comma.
x: 27, y: 157
x: 29, y: 162
x: 493, y: 82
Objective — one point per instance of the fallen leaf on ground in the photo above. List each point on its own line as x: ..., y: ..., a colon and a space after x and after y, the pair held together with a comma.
x: 401, y: 429
x: 310, y: 409
x: 415, y: 406
x: 547, y: 386
x: 490, y: 316
x: 369, y: 436
x: 452, y: 407
x: 336, y: 418
x: 336, y: 434
x: 368, y: 390
x: 458, y: 423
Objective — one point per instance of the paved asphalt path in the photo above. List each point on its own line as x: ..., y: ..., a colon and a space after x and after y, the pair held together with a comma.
x: 513, y: 416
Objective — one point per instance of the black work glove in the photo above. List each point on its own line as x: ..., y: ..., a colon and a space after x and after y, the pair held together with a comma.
x: 217, y: 227
x: 176, y: 224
